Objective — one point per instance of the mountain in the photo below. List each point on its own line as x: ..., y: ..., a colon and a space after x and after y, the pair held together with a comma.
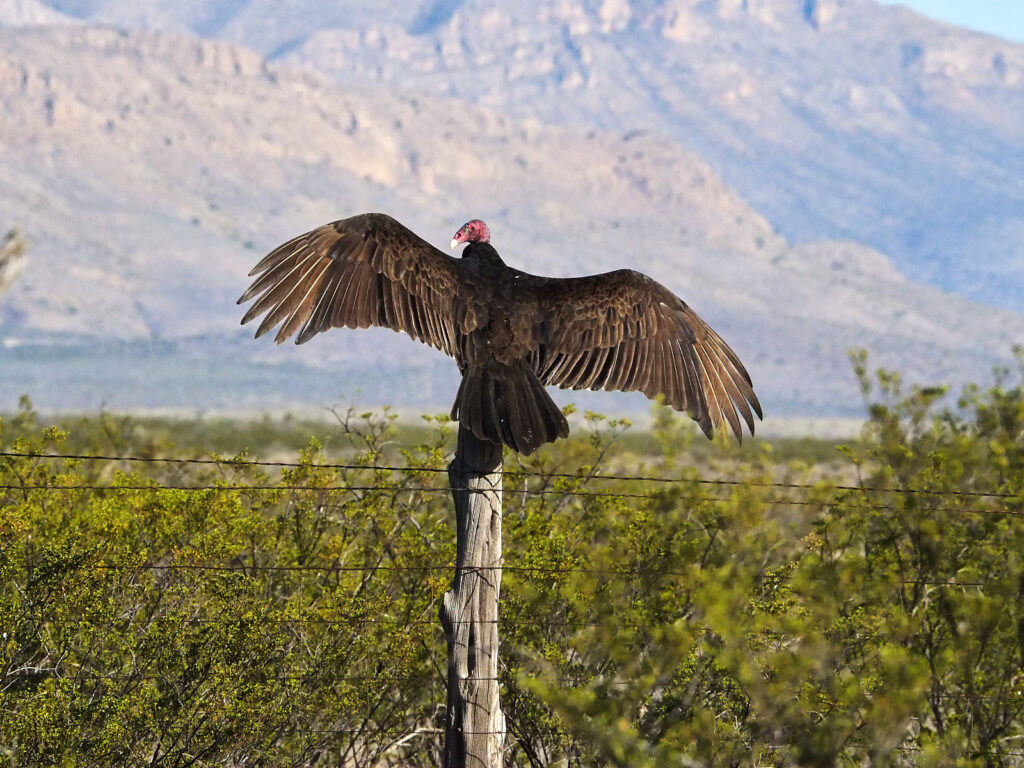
x: 150, y: 171
x: 836, y: 119
x: 12, y: 258
x: 24, y: 13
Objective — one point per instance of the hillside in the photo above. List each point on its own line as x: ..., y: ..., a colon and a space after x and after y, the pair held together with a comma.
x: 150, y: 171
x: 22, y: 13
x: 836, y: 119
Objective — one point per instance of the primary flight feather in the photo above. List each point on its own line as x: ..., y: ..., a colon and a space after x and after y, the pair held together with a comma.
x: 510, y: 332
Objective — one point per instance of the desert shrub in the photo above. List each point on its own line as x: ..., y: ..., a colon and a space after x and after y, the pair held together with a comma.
x: 232, y: 613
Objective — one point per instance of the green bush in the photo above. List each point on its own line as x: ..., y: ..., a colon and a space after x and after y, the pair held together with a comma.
x: 235, y: 614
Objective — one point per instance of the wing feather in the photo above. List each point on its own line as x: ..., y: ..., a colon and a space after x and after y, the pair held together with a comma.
x: 273, y: 290
x: 692, y: 381
x: 675, y: 369
x: 722, y: 409
x: 627, y: 358
x: 639, y: 374
x: 358, y: 272
x: 285, y: 297
x: 303, y: 303
x: 740, y: 389
x: 622, y: 330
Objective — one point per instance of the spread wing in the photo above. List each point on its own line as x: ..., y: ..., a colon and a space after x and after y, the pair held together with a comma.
x: 357, y: 272
x: 622, y: 330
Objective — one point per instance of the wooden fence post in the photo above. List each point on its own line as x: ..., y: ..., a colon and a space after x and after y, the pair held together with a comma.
x: 474, y: 723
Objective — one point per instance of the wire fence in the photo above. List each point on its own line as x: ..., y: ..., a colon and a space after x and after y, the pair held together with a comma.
x: 532, y: 569
x: 524, y: 491
x: 371, y: 568
x: 512, y: 473
x: 253, y: 568
x: 519, y: 491
x: 1004, y: 504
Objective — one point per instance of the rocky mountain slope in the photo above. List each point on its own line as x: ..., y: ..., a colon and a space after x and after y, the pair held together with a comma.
x: 837, y: 119
x: 151, y: 170
x: 22, y: 13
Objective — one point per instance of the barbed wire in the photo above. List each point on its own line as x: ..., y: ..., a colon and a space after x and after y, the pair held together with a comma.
x: 553, y: 570
x: 512, y: 473
x: 155, y: 487
x: 749, y: 742
x: 309, y: 488
x: 388, y: 678
x: 310, y: 676
x: 325, y: 621
x: 362, y: 569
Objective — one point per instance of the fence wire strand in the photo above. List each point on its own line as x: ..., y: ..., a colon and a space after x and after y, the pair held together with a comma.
x: 154, y: 487
x: 511, y: 473
x: 539, y: 569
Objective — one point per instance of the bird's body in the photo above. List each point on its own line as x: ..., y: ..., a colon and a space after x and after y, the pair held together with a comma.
x: 510, y: 332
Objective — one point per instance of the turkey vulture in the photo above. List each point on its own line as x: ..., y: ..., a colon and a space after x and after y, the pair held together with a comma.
x: 510, y: 332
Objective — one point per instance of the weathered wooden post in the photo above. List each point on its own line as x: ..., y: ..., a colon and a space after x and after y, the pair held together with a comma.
x: 474, y: 723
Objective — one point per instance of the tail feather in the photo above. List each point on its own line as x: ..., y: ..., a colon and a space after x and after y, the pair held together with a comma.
x: 516, y: 422
x: 494, y: 391
x: 508, y: 404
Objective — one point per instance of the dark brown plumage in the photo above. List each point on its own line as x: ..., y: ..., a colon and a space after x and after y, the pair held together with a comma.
x: 511, y: 333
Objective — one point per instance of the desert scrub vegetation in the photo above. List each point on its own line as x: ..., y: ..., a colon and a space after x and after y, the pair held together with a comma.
x: 232, y: 613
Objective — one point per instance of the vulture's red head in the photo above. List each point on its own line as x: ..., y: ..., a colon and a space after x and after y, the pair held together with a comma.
x: 474, y: 231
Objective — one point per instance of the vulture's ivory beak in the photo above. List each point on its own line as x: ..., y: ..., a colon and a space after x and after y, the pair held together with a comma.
x: 455, y: 243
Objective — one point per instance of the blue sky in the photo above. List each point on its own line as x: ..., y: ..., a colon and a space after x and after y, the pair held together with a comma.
x: 998, y: 17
